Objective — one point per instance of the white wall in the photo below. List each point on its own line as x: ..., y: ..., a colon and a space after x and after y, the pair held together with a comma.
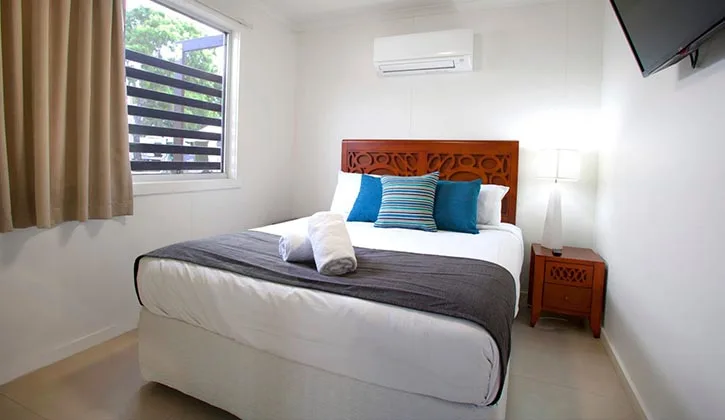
x: 660, y: 227
x: 68, y: 288
x: 537, y: 80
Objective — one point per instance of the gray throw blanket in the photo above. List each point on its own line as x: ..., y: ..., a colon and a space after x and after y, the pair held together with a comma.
x: 478, y: 291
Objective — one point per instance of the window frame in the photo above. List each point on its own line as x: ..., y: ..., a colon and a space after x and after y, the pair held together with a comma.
x: 150, y: 184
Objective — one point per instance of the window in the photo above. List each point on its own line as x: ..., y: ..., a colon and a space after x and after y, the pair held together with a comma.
x: 179, y: 102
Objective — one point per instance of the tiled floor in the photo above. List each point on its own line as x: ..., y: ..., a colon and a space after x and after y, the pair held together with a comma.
x: 558, y: 372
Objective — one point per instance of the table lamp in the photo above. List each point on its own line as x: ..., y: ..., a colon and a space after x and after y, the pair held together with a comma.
x: 559, y: 165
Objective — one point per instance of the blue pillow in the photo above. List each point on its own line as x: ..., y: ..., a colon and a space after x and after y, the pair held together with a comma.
x: 408, y: 202
x: 456, y: 206
x: 367, y: 204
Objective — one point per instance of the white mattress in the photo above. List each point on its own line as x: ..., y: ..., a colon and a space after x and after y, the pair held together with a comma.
x: 256, y: 385
x: 381, y: 344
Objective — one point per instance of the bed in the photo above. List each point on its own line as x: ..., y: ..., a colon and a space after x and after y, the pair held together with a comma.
x: 263, y: 350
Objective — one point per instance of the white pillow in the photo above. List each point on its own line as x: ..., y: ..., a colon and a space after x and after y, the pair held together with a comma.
x: 489, y: 204
x: 346, y: 192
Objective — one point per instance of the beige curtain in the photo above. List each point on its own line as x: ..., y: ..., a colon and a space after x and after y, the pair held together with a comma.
x: 63, y: 121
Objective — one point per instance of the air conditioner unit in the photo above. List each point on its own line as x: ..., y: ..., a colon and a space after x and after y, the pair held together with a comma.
x: 430, y: 52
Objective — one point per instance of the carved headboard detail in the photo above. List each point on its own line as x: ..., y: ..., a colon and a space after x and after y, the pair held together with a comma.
x: 495, y: 162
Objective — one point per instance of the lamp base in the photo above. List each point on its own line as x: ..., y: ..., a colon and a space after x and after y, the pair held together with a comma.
x: 552, y: 237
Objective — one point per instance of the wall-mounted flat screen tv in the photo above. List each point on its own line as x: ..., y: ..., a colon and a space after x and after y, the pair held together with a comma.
x: 662, y: 32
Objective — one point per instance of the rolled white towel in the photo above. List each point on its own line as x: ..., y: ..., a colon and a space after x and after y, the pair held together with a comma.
x: 295, y: 247
x: 331, y: 244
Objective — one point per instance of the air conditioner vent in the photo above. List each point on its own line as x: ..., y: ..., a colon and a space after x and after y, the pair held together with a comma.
x: 431, y: 52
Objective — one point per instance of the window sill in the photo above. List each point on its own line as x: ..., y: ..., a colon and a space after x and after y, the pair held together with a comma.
x: 141, y: 188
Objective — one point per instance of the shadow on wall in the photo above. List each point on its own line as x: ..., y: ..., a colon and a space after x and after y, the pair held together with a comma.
x: 665, y: 395
x: 13, y: 243
x: 712, y: 59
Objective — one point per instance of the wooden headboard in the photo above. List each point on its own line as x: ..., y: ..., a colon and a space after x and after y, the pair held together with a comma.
x: 495, y: 162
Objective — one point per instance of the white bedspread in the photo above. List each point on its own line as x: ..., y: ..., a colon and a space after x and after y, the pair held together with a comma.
x: 395, y: 347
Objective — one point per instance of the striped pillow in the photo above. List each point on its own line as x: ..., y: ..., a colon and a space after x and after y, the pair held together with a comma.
x: 408, y: 202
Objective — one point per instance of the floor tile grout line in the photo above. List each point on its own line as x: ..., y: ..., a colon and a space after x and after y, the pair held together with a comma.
x: 22, y: 405
x: 567, y: 386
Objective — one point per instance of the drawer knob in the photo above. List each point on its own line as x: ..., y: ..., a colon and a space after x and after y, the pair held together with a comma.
x: 566, y: 298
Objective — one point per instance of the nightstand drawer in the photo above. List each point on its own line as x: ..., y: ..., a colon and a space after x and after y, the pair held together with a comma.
x: 567, y: 298
x: 567, y: 274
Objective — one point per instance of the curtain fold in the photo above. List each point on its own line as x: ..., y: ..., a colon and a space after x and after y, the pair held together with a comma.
x: 63, y: 121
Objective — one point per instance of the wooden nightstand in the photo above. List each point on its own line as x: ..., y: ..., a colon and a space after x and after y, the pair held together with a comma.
x: 572, y: 284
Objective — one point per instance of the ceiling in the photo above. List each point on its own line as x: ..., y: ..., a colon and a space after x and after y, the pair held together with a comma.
x: 307, y: 11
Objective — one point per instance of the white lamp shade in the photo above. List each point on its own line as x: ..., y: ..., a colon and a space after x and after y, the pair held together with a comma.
x: 559, y: 164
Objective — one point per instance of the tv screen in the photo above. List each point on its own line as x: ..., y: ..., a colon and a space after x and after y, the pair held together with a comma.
x: 662, y: 32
